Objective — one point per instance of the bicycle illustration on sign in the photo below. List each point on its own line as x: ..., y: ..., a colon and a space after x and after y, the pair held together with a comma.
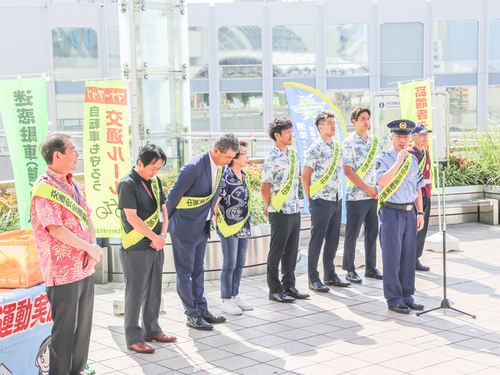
x: 102, y: 212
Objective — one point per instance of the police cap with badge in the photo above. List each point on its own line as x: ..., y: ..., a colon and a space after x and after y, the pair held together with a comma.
x: 401, y: 127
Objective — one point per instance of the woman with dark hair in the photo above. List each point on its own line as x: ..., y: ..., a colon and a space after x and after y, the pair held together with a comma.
x: 233, y: 228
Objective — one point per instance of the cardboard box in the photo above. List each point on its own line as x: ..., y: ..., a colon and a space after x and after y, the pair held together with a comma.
x: 19, y: 261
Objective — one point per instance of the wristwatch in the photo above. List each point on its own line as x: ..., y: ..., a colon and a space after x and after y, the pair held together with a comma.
x: 420, y: 213
x: 164, y: 235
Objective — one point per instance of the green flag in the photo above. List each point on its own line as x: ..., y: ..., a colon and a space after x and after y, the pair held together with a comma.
x: 23, y: 106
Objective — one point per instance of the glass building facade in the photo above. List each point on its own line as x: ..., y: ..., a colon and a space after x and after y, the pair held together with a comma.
x: 220, y: 67
x: 348, y: 51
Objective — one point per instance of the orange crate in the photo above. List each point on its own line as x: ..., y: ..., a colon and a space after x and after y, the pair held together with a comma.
x: 19, y: 261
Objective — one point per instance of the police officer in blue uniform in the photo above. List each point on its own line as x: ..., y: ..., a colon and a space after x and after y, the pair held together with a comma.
x: 399, y: 183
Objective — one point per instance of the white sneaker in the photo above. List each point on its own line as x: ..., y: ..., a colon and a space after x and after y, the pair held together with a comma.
x: 242, y: 304
x: 229, y: 307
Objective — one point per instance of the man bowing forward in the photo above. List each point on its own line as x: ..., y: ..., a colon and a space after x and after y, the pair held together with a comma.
x: 190, y: 206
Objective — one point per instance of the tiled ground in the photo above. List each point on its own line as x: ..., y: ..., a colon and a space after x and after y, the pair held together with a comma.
x: 347, y: 331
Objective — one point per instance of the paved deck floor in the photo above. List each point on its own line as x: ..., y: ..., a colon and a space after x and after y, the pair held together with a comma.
x: 346, y: 331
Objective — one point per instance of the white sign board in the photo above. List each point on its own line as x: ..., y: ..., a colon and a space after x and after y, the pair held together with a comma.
x: 385, y: 108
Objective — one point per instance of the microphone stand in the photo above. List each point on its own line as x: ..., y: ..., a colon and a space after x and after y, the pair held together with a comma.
x: 445, y: 303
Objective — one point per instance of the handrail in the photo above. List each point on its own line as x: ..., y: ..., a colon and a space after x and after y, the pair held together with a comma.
x: 11, y: 184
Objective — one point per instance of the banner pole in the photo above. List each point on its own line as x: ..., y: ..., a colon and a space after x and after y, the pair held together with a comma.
x: 51, y: 100
x: 436, y: 164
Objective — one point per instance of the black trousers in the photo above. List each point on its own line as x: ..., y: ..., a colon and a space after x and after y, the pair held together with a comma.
x: 361, y: 212
x: 284, y: 246
x: 72, y: 308
x: 422, y: 234
x: 142, y: 271
x: 398, y: 234
x: 189, y: 262
x: 326, y: 218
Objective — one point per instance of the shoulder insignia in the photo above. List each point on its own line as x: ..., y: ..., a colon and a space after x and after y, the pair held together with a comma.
x: 377, y: 165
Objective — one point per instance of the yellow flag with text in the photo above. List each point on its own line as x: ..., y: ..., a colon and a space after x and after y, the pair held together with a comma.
x: 415, y: 102
x: 106, y: 152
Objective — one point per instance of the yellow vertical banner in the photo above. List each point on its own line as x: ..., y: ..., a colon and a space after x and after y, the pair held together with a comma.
x: 415, y: 102
x: 106, y: 152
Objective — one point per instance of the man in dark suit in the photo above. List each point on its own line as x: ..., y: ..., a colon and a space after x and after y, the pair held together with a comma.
x: 190, y: 206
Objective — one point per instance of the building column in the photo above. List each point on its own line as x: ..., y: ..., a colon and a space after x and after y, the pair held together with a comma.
x: 213, y: 71
x: 483, y: 54
x: 267, y: 69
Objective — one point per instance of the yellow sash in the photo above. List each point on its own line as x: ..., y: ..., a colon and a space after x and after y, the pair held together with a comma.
x: 280, y: 198
x: 396, y: 182
x: 421, y: 165
x: 320, y: 184
x: 370, y: 157
x: 132, y: 237
x: 52, y: 194
x: 230, y: 230
x: 193, y: 202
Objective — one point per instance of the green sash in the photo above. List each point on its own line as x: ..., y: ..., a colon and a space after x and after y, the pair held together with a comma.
x: 132, y: 237
x: 230, y: 230
x: 370, y: 157
x: 396, y: 182
x: 280, y: 198
x: 320, y: 184
x: 193, y: 202
x: 51, y: 193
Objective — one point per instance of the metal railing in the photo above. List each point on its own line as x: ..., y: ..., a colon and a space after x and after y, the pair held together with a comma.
x: 202, y: 141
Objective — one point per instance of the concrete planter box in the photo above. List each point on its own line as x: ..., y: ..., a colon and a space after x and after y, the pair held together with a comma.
x: 258, y: 248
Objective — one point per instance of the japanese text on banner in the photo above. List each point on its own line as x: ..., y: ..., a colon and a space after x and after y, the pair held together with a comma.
x: 23, y: 106
x: 24, y: 314
x: 106, y: 151
x: 415, y: 99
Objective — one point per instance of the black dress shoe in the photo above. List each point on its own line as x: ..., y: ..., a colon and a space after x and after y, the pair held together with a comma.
x: 421, y: 267
x: 198, y: 322
x: 281, y: 297
x: 318, y: 286
x: 353, y: 277
x: 414, y: 306
x: 207, y: 315
x: 293, y: 292
x: 374, y: 274
x: 335, y: 281
x: 400, y: 309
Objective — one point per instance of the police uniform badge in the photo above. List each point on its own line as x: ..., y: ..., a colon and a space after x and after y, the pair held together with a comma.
x: 377, y: 165
x: 412, y: 174
x: 402, y: 125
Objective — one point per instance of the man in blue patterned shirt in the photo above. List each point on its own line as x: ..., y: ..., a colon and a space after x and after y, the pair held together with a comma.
x: 280, y: 193
x: 322, y: 181
x: 358, y: 155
